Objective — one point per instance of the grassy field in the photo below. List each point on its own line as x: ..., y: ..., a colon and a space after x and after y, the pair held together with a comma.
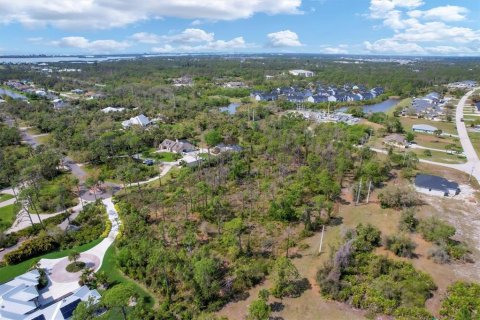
x: 438, y: 156
x: 401, y: 105
x: 7, y: 216
x: 43, y: 139
x: 5, y: 197
x: 475, y: 138
x: 7, y: 273
x: 447, y: 127
x: 432, y: 141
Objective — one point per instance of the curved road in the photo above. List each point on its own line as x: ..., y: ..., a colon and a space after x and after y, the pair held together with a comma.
x: 472, y: 166
x: 473, y: 162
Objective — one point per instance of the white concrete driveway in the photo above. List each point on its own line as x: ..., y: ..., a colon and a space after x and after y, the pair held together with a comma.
x: 62, y: 282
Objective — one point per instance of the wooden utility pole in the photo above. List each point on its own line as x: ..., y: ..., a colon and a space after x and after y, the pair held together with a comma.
x: 321, y: 240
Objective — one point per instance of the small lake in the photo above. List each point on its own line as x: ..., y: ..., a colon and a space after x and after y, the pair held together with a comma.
x: 11, y: 94
x: 230, y: 109
x: 383, y: 106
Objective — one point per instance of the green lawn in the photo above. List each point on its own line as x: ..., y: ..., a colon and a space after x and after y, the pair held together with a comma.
x: 160, y: 156
x: 5, y: 197
x: 7, y: 216
x: 475, y: 138
x: 7, y: 273
x: 432, y: 141
x: 116, y: 276
x: 43, y: 139
x: 400, y: 106
x: 438, y: 156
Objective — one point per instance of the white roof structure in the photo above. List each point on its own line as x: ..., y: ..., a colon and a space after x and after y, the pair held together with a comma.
x: 423, y: 127
x: 140, y: 120
x: 19, y: 300
x: 112, y: 109
x: 64, y: 308
x: 300, y: 72
x: 19, y: 296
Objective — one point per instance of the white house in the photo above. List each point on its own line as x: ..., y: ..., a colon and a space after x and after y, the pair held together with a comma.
x: 140, y: 120
x: 112, y: 109
x: 20, y: 299
x: 437, y: 186
x: 301, y: 73
x: 424, y: 128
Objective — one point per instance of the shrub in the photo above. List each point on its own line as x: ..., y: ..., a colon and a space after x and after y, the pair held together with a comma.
x: 366, y: 237
x: 438, y: 254
x: 398, y: 197
x: 373, y: 282
x: 408, y: 222
x: 31, y: 248
x: 402, y: 246
x: 462, y: 301
x: 434, y: 230
x: 75, y: 266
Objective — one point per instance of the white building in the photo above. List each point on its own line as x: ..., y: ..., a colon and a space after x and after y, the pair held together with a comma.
x: 20, y: 300
x: 424, y: 128
x: 112, y: 109
x: 140, y: 120
x: 301, y: 73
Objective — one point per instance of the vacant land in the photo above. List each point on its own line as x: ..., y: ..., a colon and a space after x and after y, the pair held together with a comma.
x: 432, y: 141
x: 439, y: 156
x: 311, y: 304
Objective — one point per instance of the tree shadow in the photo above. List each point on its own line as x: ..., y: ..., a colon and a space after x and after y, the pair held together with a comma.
x: 335, y: 221
x: 277, y: 306
x: 301, y: 286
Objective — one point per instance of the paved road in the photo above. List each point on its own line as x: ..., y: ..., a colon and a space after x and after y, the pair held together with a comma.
x: 472, y: 156
x: 7, y: 202
x: 472, y: 166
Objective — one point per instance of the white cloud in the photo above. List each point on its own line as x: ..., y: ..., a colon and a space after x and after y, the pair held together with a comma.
x: 101, y: 14
x: 436, y: 31
x: 340, y: 49
x: 378, y: 8
x: 419, y: 31
x: 145, y: 37
x: 449, y: 50
x: 193, y: 40
x: 191, y: 36
x: 445, y: 13
x: 392, y: 46
x: 285, y: 38
x: 82, y: 43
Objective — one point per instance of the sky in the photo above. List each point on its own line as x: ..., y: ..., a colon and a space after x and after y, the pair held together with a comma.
x: 389, y: 27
